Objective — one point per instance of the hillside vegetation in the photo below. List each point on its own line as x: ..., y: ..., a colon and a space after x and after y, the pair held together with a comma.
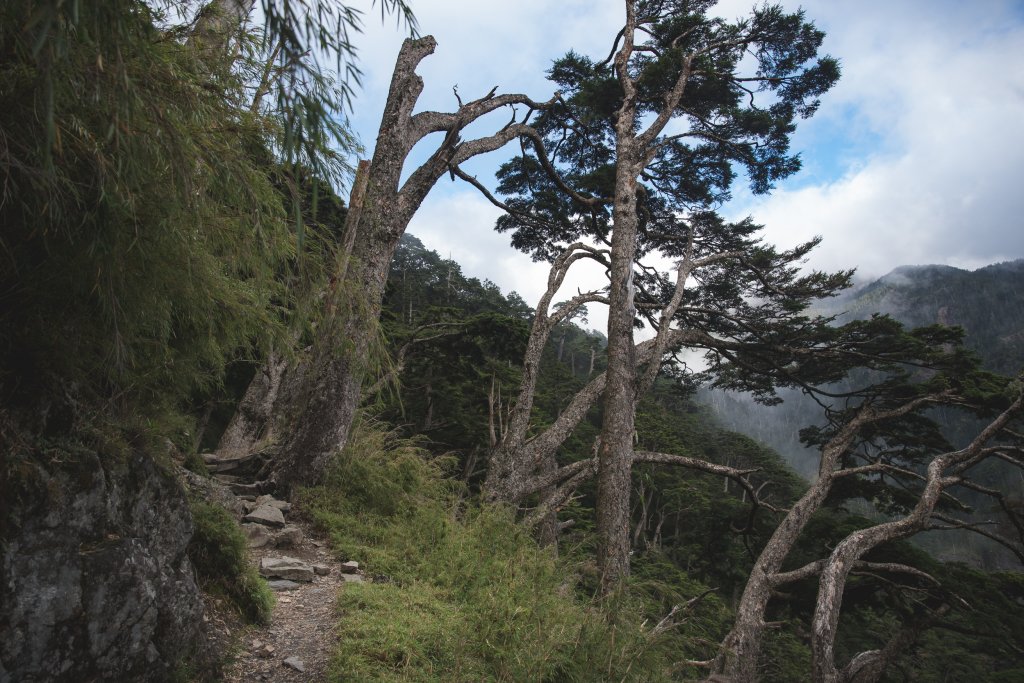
x: 184, y: 293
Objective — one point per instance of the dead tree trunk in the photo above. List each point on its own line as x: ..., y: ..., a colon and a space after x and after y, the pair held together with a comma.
x: 320, y: 409
x: 253, y: 419
x: 514, y: 461
x: 217, y: 23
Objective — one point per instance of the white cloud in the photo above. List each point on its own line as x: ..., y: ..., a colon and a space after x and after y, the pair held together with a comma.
x: 942, y: 94
x: 459, y: 226
x: 914, y: 157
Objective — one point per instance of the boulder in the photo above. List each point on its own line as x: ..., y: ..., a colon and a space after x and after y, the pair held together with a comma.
x: 288, y: 537
x: 95, y: 583
x: 321, y: 569
x: 212, y: 491
x: 282, y: 585
x: 257, y: 535
x: 282, y: 505
x: 350, y: 567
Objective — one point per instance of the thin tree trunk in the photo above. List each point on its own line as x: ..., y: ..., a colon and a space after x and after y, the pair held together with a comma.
x: 615, y: 456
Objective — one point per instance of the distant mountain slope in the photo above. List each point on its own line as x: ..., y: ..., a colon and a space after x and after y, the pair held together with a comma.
x: 988, y: 303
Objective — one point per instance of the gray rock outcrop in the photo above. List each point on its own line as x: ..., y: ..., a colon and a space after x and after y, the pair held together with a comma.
x: 267, y: 515
x: 95, y: 583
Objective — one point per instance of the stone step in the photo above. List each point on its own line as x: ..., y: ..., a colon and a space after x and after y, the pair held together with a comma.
x: 290, y: 568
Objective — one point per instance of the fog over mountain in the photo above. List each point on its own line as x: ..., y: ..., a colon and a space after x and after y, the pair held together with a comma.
x: 988, y: 303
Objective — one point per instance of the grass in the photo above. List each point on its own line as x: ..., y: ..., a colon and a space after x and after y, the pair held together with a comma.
x: 218, y: 553
x: 463, y: 593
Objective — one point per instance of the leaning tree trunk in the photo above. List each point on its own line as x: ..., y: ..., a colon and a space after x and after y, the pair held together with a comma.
x: 320, y: 408
x: 252, y: 423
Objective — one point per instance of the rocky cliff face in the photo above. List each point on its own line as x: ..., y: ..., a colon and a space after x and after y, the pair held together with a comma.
x: 94, y: 580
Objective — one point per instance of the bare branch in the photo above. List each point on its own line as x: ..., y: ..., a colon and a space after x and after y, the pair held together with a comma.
x: 562, y: 493
x: 814, y: 568
x: 737, y: 475
x: 974, y: 527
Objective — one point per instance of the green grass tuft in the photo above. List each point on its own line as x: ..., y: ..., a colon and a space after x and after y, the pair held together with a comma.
x: 218, y: 553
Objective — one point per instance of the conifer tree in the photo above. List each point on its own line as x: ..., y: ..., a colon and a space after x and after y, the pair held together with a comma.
x: 636, y: 156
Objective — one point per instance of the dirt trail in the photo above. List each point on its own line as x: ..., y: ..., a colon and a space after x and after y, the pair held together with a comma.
x: 298, y: 642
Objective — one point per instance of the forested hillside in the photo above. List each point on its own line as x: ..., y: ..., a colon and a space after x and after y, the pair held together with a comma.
x: 455, y: 337
x: 219, y: 348
x: 987, y: 303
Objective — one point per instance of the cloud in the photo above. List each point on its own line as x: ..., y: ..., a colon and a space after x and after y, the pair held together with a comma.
x: 942, y: 99
x: 915, y: 156
x: 479, y: 47
x: 459, y: 225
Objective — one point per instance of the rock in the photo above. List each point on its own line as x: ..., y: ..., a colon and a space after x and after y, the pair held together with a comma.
x: 265, y: 652
x: 352, y: 578
x: 350, y: 567
x: 95, y: 583
x: 282, y: 585
x: 286, y: 568
x: 211, y: 491
x: 288, y: 537
x: 257, y: 535
x: 215, y: 464
x: 295, y: 663
x: 321, y: 569
x: 282, y: 505
x: 266, y: 515
x: 244, y: 489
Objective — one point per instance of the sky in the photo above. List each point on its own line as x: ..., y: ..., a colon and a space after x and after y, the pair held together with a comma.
x: 915, y: 157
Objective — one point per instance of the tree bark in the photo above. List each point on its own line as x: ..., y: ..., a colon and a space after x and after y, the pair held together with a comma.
x: 740, y: 652
x: 252, y: 422
x: 321, y: 408
x: 848, y: 552
x: 217, y: 23
x: 615, y: 455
